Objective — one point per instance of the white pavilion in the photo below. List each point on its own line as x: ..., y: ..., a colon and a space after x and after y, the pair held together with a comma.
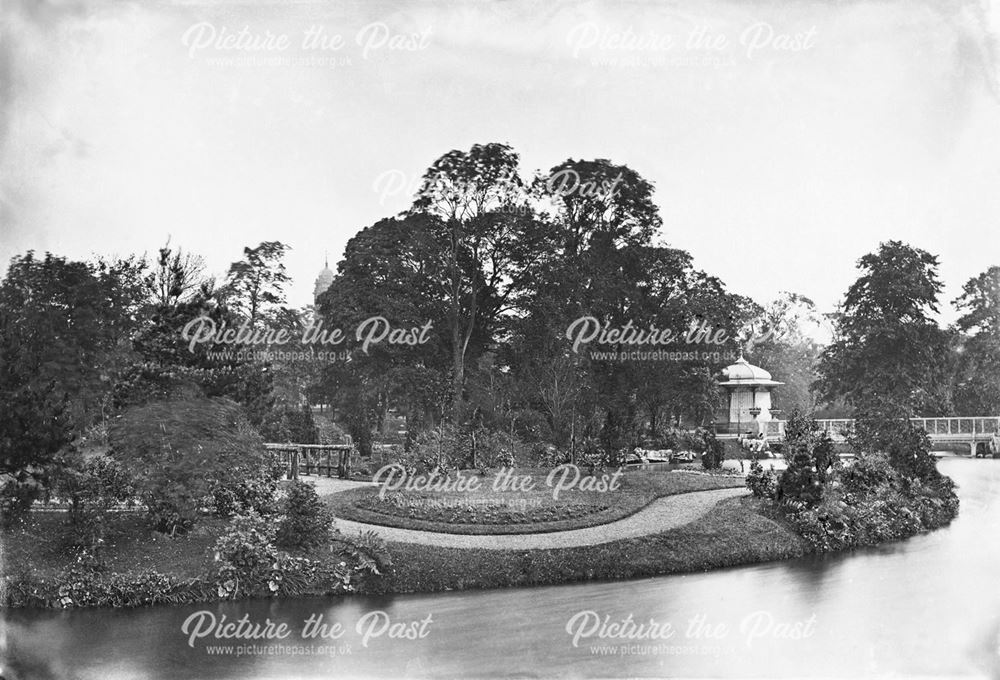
x: 749, y: 390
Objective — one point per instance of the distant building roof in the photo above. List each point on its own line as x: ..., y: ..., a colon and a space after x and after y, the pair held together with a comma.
x: 323, y: 281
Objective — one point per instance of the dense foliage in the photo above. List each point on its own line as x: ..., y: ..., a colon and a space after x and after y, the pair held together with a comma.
x: 307, y: 521
x: 177, y: 450
x: 891, y: 491
x: 491, y: 271
x: 889, y: 353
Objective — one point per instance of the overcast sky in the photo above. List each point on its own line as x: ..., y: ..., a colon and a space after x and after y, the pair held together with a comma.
x: 123, y: 124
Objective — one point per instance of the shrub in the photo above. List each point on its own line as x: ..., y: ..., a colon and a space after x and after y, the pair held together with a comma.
x: 253, y: 492
x: 867, y: 475
x: 547, y: 455
x: 492, y: 449
x: 245, y: 554
x: 449, y: 447
x: 809, y: 454
x: 907, y: 447
x: 368, y: 552
x: 712, y: 450
x: 762, y: 483
x: 91, y: 488
x: 439, y: 448
x: 177, y: 449
x: 870, y: 502
x: 307, y: 520
x: 249, y: 564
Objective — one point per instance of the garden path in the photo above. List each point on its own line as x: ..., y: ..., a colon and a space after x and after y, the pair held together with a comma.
x: 667, y: 512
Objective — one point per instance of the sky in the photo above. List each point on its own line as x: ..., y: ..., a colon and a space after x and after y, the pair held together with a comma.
x: 784, y: 139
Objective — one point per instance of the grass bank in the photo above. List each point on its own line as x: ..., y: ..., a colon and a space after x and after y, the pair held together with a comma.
x: 492, y: 509
x: 736, y: 532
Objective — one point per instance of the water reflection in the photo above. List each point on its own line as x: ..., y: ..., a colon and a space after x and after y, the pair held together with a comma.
x: 929, y: 606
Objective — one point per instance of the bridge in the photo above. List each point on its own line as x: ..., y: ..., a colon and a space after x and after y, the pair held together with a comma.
x: 315, y: 459
x: 971, y: 431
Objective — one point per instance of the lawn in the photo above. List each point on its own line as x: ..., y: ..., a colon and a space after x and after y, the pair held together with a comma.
x: 38, y: 544
x: 492, y: 510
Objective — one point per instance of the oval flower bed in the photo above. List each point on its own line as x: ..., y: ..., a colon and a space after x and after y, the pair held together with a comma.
x: 489, y: 511
x: 478, y: 510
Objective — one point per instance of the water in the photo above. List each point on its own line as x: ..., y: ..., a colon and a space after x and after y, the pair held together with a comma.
x: 929, y: 606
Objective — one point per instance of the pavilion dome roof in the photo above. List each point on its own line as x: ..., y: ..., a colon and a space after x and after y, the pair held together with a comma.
x: 745, y: 373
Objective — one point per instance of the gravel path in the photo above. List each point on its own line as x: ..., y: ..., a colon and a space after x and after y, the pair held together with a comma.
x: 664, y: 513
x: 328, y: 485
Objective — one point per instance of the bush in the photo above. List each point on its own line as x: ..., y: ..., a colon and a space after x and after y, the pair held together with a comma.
x: 713, y: 452
x: 762, y: 483
x: 249, y: 564
x: 907, y: 447
x: 254, y: 492
x: 307, y: 520
x: 870, y: 502
x: 809, y: 454
x: 547, y: 455
x: 867, y: 475
x: 449, y: 447
x: 369, y: 554
x: 492, y: 449
x: 245, y: 554
x: 178, y: 449
x: 92, y: 488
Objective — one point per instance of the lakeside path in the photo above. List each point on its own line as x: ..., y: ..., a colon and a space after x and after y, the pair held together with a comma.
x: 667, y: 512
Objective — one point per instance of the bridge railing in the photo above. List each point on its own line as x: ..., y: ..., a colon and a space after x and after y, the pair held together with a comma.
x: 980, y: 427
x: 959, y: 426
x: 318, y: 459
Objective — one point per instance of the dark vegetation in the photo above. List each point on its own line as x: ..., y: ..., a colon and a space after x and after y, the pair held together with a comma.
x: 148, y: 439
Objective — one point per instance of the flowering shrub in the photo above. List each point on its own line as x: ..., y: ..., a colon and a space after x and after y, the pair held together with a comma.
x: 246, y: 564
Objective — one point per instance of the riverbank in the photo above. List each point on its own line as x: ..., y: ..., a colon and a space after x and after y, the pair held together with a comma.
x: 735, y: 532
x: 681, y: 529
x: 140, y: 566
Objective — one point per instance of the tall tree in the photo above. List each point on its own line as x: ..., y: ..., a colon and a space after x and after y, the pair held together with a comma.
x: 889, y: 356
x: 978, y: 366
x: 607, y: 267
x: 389, y: 270
x: 487, y: 242
x: 176, y: 276
x: 785, y: 340
x: 255, y: 285
x: 64, y: 331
